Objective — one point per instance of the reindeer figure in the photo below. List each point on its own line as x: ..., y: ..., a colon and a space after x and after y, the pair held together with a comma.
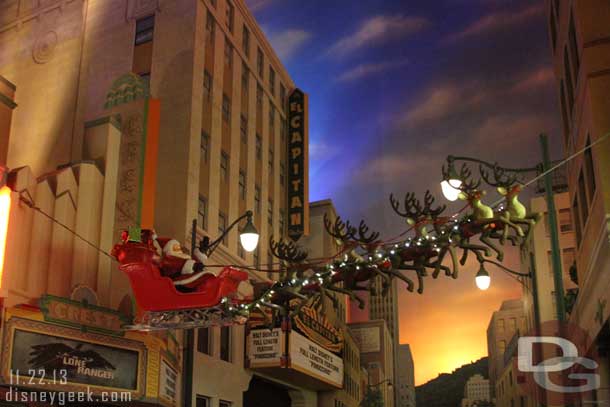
x: 482, y: 221
x: 354, y: 271
x: 515, y: 212
x: 418, y: 256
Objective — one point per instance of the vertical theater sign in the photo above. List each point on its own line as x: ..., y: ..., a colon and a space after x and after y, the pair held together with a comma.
x: 298, y: 193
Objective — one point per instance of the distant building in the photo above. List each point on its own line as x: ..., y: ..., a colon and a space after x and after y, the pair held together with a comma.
x: 384, y: 305
x: 503, y: 325
x: 405, y: 377
x: 476, y: 390
x: 377, y: 356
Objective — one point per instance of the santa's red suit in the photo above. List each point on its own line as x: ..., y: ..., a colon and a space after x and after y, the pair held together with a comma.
x: 189, y: 273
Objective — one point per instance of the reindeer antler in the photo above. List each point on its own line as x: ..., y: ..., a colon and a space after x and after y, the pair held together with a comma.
x: 412, y: 206
x: 340, y: 230
x: 362, y: 234
x: 428, y: 201
x: 467, y: 183
x: 287, y: 251
x: 501, y: 177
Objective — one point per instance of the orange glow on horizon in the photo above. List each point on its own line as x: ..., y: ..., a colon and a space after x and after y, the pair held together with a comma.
x: 5, y: 208
x: 446, y: 326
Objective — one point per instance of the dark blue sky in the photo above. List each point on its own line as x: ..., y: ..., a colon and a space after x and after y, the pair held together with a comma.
x: 396, y: 86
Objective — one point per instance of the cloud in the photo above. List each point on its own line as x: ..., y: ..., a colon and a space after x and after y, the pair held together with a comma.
x: 497, y: 21
x: 444, y: 100
x: 534, y: 80
x: 286, y: 43
x: 376, y: 30
x: 364, y: 70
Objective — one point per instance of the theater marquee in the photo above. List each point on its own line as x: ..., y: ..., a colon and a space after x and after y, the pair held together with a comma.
x: 298, y: 188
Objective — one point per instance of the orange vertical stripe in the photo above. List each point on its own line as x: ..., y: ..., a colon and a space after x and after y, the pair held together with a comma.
x: 150, y: 164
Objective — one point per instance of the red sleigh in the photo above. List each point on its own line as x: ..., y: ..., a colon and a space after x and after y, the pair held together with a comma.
x: 164, y: 307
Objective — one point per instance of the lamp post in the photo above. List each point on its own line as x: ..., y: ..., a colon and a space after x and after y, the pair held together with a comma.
x: 248, y: 238
x: 451, y: 188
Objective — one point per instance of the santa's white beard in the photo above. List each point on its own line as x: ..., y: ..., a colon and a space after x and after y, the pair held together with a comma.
x: 245, y: 290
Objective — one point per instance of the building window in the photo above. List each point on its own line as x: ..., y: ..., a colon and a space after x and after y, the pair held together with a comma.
x: 553, y: 28
x: 226, y: 108
x: 222, y: 226
x: 205, y: 147
x: 569, y: 257
x: 228, y: 52
x: 259, y: 96
x: 270, y: 213
x: 230, y: 16
x: 225, y: 345
x: 271, y: 117
x: 257, y: 199
x: 282, y: 95
x: 272, y: 81
x: 259, y: 147
x: 282, y: 175
x: 207, y: 85
x: 210, y: 27
x: 245, y: 77
x: 243, y: 129
x: 256, y: 258
x: 260, y: 63
x: 202, y: 401
x: 590, y: 171
x: 574, y: 49
x: 202, y: 211
x: 271, y: 158
x: 142, y: 52
x: 224, y: 167
x: 569, y: 82
x: 145, y: 28
x: 565, y: 220
x: 582, y: 196
x: 283, y: 129
x: 270, y: 265
x: 245, y: 41
x: 281, y: 222
x: 204, y: 341
x: 576, y: 216
x: 564, y: 114
x: 242, y: 185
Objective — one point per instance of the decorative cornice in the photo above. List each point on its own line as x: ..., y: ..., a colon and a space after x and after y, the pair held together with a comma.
x: 114, y: 120
x: 125, y: 89
x: 7, y: 101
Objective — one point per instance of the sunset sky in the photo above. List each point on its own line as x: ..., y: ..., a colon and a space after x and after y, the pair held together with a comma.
x: 394, y: 87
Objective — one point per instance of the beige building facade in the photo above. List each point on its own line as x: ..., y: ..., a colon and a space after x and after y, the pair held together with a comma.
x: 505, y: 323
x: 377, y: 356
x: 97, y: 80
x: 477, y: 389
x: 579, y: 33
x: 405, y: 377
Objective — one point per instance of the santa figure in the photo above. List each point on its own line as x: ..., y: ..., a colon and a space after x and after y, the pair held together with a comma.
x: 188, y: 272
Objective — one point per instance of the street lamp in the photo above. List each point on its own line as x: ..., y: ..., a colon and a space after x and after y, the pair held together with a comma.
x: 482, y: 279
x: 248, y: 236
x: 450, y: 186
